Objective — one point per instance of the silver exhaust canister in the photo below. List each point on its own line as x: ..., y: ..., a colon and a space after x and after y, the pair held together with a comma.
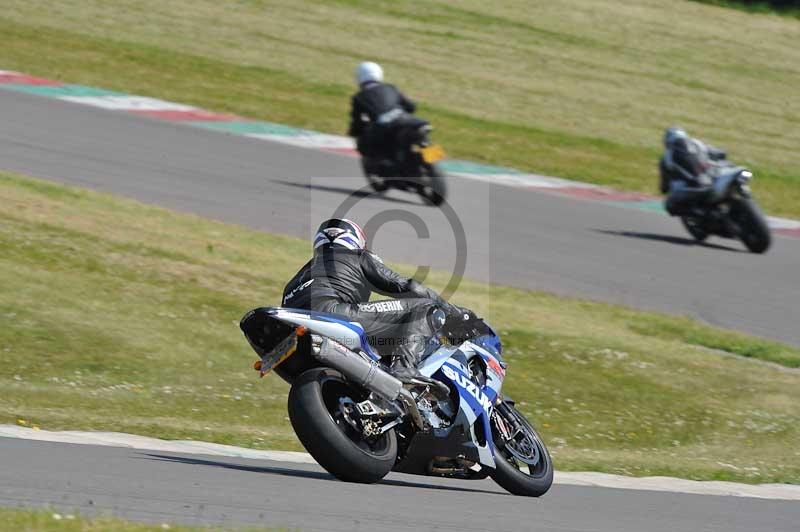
x: 366, y: 373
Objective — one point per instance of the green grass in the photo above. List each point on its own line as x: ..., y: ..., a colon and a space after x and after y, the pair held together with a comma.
x: 20, y: 520
x: 576, y: 88
x: 119, y: 316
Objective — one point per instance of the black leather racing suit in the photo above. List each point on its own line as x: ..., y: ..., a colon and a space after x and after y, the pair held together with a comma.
x: 339, y: 281
x: 684, y: 170
x: 378, y: 113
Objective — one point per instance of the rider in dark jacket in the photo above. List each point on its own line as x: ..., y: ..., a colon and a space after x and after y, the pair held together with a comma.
x: 378, y: 112
x: 339, y: 279
x: 684, y: 170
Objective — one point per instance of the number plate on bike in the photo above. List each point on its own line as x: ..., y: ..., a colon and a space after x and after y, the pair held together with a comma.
x: 432, y: 153
x: 281, y: 352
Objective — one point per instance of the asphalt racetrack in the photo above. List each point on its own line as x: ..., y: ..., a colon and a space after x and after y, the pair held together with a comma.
x: 195, y: 489
x: 516, y: 236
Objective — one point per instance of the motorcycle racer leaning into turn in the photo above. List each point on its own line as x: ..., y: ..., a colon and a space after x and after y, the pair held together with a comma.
x: 339, y: 279
x: 685, y: 170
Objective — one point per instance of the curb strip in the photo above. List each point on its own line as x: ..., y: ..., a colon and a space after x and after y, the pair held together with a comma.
x: 590, y: 479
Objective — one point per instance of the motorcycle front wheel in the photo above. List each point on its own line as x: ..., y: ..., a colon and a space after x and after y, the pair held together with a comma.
x: 753, y: 225
x: 316, y: 411
x: 522, y: 463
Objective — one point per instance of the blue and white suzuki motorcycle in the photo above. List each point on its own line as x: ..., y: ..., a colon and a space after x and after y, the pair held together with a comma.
x: 360, y: 423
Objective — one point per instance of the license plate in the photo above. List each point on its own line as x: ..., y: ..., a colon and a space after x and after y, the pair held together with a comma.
x: 433, y: 153
x: 282, y: 351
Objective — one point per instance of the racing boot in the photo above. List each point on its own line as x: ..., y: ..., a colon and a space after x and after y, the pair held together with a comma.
x: 407, y: 373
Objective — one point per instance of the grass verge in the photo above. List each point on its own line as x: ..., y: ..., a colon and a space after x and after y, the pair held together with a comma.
x: 19, y: 520
x: 119, y: 316
x: 576, y: 88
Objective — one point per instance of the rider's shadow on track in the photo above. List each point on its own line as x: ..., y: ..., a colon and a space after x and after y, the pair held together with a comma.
x: 359, y: 193
x: 670, y: 239
x: 300, y: 473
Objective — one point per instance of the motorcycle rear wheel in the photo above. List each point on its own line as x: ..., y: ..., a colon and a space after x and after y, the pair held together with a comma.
x: 509, y: 470
x: 695, y: 227
x: 754, y: 228
x: 433, y: 188
x: 315, y: 414
x: 377, y: 183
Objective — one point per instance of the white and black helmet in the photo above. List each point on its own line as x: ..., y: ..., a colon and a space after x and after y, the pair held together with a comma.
x: 368, y: 71
x: 672, y: 134
x: 340, y: 232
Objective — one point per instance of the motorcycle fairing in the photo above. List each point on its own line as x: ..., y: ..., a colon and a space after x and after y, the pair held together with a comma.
x: 723, y: 182
x: 475, y: 402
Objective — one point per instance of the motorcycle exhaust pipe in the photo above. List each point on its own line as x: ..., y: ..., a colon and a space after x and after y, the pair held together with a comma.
x: 356, y: 368
x: 366, y: 373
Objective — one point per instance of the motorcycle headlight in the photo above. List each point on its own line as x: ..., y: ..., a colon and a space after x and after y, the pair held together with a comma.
x: 745, y: 175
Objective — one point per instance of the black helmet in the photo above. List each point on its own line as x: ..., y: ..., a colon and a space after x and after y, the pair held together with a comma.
x: 340, y: 232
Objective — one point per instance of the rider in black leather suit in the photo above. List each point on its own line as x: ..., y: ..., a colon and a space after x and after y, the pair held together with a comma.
x: 684, y: 171
x: 379, y: 113
x: 339, y: 279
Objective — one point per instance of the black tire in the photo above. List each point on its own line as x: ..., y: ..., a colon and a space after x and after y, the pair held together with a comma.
x: 755, y: 234
x: 433, y: 187
x: 508, y: 472
x: 695, y: 228
x: 377, y: 183
x: 335, y: 445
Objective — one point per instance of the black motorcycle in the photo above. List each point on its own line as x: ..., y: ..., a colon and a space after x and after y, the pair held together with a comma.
x: 413, y: 166
x: 731, y: 212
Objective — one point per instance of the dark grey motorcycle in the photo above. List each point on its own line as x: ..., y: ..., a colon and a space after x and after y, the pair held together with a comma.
x: 731, y: 212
